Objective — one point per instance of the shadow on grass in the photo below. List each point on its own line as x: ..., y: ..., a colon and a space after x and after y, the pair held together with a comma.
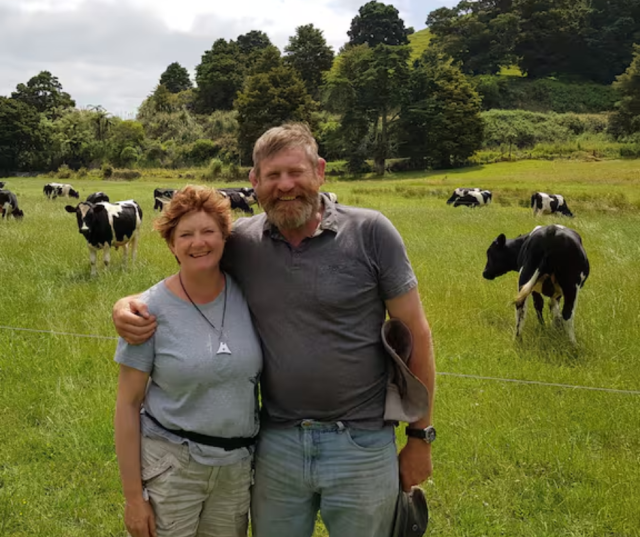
x: 549, y: 344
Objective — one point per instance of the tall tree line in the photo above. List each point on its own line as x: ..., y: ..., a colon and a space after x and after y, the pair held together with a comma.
x: 575, y: 39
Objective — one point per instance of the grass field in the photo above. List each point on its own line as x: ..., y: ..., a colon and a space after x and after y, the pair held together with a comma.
x: 511, y: 459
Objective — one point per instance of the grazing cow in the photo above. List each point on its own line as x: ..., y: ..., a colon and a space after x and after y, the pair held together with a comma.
x: 9, y: 205
x: 162, y: 196
x: 330, y: 196
x: 247, y: 192
x: 542, y: 203
x: 474, y: 198
x: 551, y: 261
x: 97, y: 197
x: 238, y: 201
x: 459, y: 192
x: 53, y: 190
x: 108, y: 224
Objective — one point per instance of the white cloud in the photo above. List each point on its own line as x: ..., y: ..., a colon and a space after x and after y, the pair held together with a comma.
x: 112, y: 52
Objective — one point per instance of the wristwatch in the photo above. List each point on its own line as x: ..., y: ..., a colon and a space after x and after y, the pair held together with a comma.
x: 428, y: 434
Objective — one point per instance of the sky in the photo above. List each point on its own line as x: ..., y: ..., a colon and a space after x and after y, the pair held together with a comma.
x: 112, y: 52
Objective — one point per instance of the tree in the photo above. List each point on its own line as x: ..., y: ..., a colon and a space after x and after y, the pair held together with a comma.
x: 626, y: 119
x: 253, y: 41
x: 309, y: 54
x: 176, y: 78
x: 613, y: 27
x: 265, y: 60
x: 20, y: 133
x: 376, y: 24
x: 44, y: 93
x: 268, y: 100
x: 219, y: 76
x: 550, y: 39
x: 480, y: 35
x: 440, y: 120
x: 366, y: 86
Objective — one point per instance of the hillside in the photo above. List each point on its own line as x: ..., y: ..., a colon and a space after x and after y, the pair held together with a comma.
x: 419, y: 42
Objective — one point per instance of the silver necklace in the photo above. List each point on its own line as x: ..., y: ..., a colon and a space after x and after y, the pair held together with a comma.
x: 223, y: 347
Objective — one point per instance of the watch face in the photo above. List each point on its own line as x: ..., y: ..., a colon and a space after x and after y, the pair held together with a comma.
x: 430, y: 434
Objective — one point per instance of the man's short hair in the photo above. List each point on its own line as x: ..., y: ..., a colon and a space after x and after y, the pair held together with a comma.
x: 287, y: 136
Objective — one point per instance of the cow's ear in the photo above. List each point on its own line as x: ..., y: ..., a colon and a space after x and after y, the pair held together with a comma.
x: 70, y: 209
x: 98, y: 208
x: 501, y: 240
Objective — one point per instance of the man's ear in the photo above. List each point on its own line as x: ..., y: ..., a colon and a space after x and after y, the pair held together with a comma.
x: 320, y: 168
x: 253, y: 177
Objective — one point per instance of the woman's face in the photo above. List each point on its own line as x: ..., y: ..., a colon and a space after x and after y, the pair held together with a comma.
x: 197, y: 242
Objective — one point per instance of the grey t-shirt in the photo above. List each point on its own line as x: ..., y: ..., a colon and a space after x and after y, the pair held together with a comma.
x: 318, y: 309
x: 191, y: 387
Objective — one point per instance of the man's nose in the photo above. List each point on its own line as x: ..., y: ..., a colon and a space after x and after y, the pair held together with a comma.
x: 286, y: 182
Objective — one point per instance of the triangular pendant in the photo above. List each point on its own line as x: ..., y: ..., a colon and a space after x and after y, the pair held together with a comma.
x: 223, y: 348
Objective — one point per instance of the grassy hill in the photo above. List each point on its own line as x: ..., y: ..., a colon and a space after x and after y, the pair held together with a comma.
x: 419, y: 42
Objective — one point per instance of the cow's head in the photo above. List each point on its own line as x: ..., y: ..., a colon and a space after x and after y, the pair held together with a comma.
x: 17, y: 214
x: 500, y: 258
x: 86, y: 215
x: 74, y: 193
x: 453, y: 197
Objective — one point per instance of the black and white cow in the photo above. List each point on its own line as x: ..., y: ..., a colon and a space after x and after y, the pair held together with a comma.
x: 162, y: 196
x: 53, y: 190
x: 97, y: 197
x: 551, y: 261
x: 330, y: 196
x: 474, y: 198
x: 238, y: 201
x: 542, y: 203
x: 247, y: 192
x: 459, y: 192
x: 108, y: 224
x: 2, y: 183
x: 9, y: 205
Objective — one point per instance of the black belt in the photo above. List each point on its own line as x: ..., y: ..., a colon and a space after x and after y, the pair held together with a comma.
x: 228, y: 444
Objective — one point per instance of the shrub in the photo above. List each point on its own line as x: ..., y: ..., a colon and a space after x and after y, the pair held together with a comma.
x: 234, y: 172
x: 129, y: 156
x: 202, y: 150
x: 83, y: 172
x: 127, y: 175
x: 64, y: 172
x: 107, y: 170
x: 213, y: 171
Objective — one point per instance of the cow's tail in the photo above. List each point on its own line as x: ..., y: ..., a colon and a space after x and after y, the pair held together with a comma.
x: 527, y: 289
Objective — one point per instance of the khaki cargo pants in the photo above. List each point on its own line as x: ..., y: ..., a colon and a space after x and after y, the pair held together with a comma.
x: 190, y: 499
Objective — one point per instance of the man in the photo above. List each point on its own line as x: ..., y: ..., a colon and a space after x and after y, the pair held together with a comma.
x: 319, y: 279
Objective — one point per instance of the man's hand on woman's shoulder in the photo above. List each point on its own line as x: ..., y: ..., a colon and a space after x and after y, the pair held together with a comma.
x: 132, y: 320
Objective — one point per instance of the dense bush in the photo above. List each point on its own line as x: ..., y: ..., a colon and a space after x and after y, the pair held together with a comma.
x: 64, y: 172
x: 107, y: 171
x: 521, y: 129
x: 203, y: 150
x: 543, y: 95
x: 213, y: 171
x: 127, y: 175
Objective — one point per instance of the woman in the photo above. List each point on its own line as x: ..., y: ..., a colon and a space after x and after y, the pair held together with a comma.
x: 185, y: 459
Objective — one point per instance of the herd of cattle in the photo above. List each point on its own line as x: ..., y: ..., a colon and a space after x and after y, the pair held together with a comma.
x: 550, y: 260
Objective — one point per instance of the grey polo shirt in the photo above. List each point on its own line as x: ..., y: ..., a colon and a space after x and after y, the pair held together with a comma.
x: 318, y: 310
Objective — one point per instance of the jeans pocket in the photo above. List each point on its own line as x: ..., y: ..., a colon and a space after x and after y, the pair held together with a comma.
x: 162, y: 466
x: 376, y: 440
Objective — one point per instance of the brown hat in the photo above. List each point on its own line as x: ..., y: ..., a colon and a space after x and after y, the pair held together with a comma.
x: 407, y: 397
x: 412, y: 514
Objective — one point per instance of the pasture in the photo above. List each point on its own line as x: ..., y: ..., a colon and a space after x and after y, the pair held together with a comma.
x: 511, y: 458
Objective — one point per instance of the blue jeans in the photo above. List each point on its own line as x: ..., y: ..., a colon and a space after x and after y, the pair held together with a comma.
x: 349, y: 475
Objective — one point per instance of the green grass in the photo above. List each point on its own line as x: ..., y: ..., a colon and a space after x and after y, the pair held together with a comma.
x: 510, y: 459
x: 419, y: 42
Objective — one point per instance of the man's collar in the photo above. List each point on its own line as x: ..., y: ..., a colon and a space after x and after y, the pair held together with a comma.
x: 329, y: 220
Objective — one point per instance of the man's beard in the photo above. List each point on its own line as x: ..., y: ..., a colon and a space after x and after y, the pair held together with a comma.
x: 291, y: 214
